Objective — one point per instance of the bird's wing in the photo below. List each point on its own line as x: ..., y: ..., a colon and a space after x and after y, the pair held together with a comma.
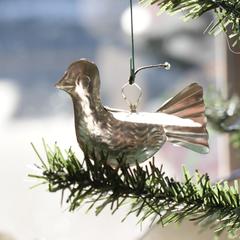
x: 180, y: 131
x: 150, y: 118
x: 162, y: 119
x: 115, y: 110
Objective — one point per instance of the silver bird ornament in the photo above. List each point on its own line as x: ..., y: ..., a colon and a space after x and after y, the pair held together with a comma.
x: 131, y: 137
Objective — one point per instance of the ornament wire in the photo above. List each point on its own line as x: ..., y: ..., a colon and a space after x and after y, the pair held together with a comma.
x: 132, y: 60
x: 133, y: 72
x: 165, y: 65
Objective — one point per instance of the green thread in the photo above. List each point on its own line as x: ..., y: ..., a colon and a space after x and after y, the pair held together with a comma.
x: 132, y: 59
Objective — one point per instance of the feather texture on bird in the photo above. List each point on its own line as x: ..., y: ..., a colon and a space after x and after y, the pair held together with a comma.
x: 130, y: 137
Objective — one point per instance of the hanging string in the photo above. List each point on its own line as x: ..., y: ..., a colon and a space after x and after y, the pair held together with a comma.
x: 133, y: 72
x: 132, y: 59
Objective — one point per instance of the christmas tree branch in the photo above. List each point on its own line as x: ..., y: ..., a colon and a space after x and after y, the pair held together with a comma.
x: 226, y: 13
x: 150, y: 193
x: 224, y: 115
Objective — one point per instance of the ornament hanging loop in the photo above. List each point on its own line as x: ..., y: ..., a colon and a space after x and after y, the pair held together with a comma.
x: 133, y: 106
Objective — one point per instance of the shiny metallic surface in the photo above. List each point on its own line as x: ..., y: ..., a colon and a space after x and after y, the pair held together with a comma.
x: 188, y: 104
x: 132, y: 106
x: 102, y: 131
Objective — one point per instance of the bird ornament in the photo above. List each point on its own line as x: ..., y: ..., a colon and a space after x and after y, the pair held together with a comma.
x: 127, y: 137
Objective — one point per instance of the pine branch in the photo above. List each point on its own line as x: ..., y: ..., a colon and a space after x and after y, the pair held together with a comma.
x: 224, y: 115
x: 150, y: 193
x: 226, y: 13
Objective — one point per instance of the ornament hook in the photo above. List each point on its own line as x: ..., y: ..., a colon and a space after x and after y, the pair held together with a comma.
x: 132, y: 106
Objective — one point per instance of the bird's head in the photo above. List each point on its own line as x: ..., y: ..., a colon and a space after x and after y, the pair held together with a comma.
x: 81, y: 73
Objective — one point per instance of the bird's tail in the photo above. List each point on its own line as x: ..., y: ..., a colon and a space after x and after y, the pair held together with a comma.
x: 188, y: 104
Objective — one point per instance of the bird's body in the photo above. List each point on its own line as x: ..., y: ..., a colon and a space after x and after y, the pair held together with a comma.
x: 127, y: 137
x: 100, y: 132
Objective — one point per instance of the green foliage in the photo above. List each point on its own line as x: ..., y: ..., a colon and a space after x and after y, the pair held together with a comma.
x: 226, y: 13
x: 235, y: 140
x: 148, y: 191
x: 224, y: 115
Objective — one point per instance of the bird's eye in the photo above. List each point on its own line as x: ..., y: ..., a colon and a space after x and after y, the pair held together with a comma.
x: 83, y: 80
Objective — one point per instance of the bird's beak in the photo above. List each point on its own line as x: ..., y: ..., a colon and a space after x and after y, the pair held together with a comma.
x: 61, y: 83
x: 58, y: 85
x: 65, y: 83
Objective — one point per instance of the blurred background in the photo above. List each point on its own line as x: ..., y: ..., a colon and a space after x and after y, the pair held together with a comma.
x: 38, y: 40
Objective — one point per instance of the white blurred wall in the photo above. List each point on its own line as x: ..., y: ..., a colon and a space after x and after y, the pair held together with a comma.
x: 35, y: 214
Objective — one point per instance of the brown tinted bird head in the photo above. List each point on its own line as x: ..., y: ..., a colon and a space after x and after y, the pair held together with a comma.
x: 80, y: 73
